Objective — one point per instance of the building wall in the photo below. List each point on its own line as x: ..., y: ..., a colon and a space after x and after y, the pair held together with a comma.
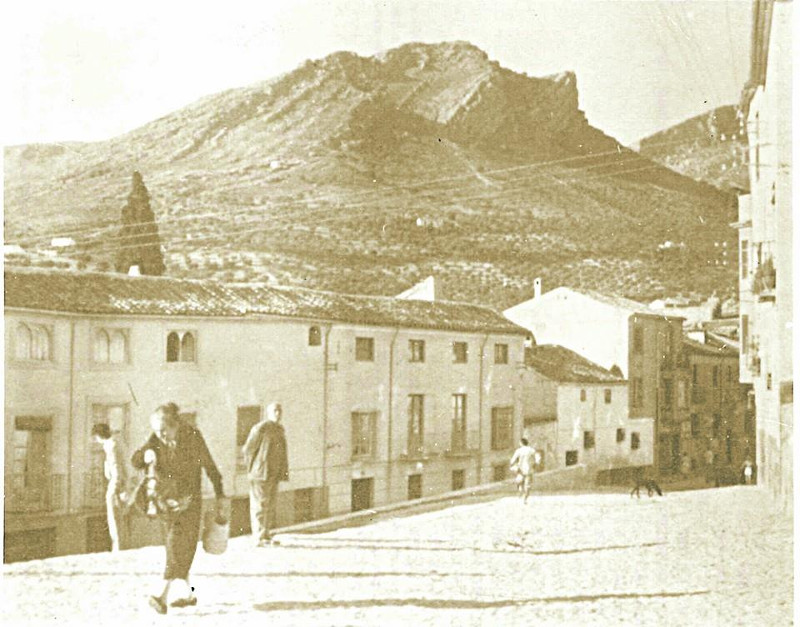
x: 575, y: 417
x: 651, y: 363
x: 252, y: 362
x: 765, y: 222
x: 593, y: 329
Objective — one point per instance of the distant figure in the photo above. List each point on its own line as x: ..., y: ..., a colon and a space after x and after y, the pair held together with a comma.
x: 522, y: 461
x: 686, y: 465
x: 178, y: 454
x: 747, y: 469
x: 711, y: 475
x: 267, y: 465
x: 117, y: 477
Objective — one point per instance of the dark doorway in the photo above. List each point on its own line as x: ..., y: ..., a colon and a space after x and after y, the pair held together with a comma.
x: 458, y: 480
x: 414, y: 487
x: 361, y: 494
x: 303, y: 505
x: 97, y: 537
x: 29, y: 545
x: 675, y: 458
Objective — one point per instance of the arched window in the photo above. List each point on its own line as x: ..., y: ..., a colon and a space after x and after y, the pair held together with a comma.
x: 314, y: 336
x: 116, y: 349
x: 187, y: 347
x: 101, y: 346
x: 173, y: 346
x: 41, y: 343
x: 24, y: 341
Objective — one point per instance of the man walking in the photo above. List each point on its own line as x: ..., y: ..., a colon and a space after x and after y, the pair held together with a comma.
x: 267, y: 465
x: 523, y: 460
x: 117, y: 477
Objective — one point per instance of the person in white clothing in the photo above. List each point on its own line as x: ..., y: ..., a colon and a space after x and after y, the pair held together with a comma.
x: 522, y: 461
x: 115, y: 471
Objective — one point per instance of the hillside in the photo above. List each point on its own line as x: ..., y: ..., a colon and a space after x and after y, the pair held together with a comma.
x: 711, y: 147
x: 368, y: 174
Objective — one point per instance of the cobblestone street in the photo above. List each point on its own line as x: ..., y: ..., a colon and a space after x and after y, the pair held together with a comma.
x: 708, y: 557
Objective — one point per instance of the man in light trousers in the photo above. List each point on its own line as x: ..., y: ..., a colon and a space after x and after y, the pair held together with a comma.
x: 267, y: 465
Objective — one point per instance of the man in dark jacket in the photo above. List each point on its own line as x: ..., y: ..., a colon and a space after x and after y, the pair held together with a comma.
x: 267, y: 465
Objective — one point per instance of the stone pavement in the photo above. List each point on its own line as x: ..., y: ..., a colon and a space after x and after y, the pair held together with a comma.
x: 706, y: 557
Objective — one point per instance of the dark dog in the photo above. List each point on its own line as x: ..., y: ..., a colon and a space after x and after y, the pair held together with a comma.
x: 649, y: 484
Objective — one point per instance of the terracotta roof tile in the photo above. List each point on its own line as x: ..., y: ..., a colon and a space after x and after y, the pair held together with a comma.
x: 107, y: 293
x: 563, y: 365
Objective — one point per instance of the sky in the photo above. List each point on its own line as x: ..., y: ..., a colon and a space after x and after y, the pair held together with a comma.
x: 85, y: 70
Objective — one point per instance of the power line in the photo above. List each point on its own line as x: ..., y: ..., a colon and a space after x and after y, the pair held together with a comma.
x: 383, y: 190
x: 351, y: 216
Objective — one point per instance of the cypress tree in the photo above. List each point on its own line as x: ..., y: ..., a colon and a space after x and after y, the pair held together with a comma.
x: 139, y: 242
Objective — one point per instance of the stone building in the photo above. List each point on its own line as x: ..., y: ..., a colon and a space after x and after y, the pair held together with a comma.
x: 765, y: 246
x: 383, y: 399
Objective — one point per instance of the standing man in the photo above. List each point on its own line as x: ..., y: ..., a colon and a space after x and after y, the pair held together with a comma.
x: 117, y: 477
x: 267, y: 465
x: 523, y: 461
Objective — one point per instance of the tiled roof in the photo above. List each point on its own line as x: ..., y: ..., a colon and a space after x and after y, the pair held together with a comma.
x: 563, y: 365
x: 718, y: 350
x: 624, y: 303
x: 107, y: 293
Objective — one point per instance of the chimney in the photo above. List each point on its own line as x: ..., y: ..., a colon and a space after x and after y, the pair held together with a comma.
x: 537, y: 287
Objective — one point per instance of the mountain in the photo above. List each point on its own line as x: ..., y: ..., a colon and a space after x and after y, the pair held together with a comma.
x: 711, y: 147
x: 368, y: 174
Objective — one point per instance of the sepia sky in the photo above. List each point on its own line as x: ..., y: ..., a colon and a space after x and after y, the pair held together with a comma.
x: 87, y: 70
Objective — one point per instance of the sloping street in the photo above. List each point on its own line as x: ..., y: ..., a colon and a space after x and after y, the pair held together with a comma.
x: 709, y: 557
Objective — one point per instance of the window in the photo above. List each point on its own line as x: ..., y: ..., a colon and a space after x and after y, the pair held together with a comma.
x: 695, y: 425
x: 110, y: 346
x: 745, y: 340
x: 583, y: 396
x: 414, y: 487
x: 744, y: 258
x: 459, y: 352
x: 416, y: 423
x: 499, y: 472
x: 501, y: 353
x: 314, y: 336
x: 571, y: 458
x: 33, y: 342
x: 31, y: 461
x: 247, y: 417
x: 364, y: 427
x: 181, y: 346
x: 502, y: 428
x: 365, y: 349
x: 458, y: 439
x: 417, y: 350
x: 694, y: 374
x: 715, y: 376
x: 620, y: 435
x: 636, y: 392
x: 667, y: 393
x: 588, y: 440
x: 607, y: 396
x: 638, y: 339
x: 635, y: 443
x: 458, y: 480
x: 682, y: 397
x: 716, y: 420
x: 769, y: 380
